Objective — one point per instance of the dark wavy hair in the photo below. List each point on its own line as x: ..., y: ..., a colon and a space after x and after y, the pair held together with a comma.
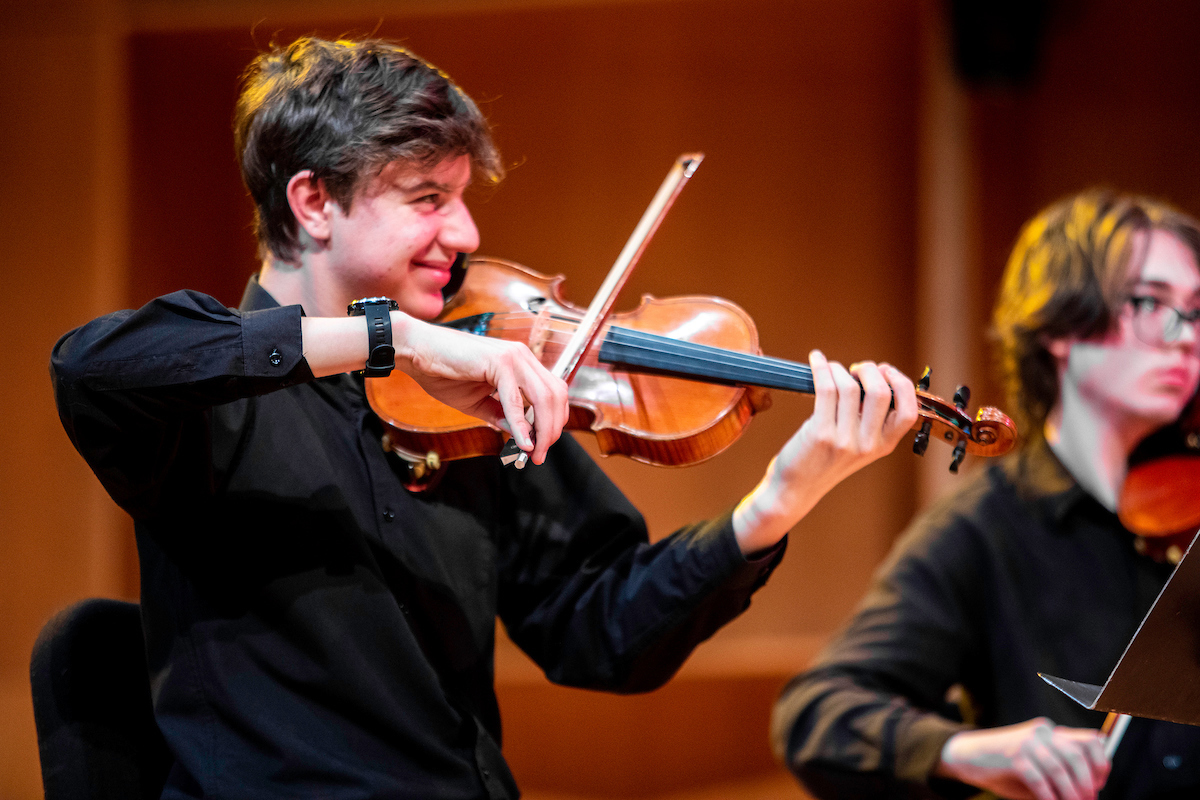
x: 1069, y: 275
x: 346, y: 109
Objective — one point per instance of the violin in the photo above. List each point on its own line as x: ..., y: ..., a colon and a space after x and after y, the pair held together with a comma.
x: 1159, y: 500
x: 671, y: 383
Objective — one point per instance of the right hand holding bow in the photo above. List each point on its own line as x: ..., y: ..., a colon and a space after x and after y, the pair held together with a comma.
x: 1034, y: 760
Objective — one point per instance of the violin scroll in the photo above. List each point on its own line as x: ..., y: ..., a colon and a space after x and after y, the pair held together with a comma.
x: 990, y: 433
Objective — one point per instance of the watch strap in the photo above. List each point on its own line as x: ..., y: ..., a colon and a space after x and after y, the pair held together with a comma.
x: 381, y: 358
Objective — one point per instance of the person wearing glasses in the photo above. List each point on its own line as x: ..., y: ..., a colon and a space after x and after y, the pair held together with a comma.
x: 932, y: 689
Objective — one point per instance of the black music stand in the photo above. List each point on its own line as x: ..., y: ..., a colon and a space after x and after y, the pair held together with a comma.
x: 1159, y: 674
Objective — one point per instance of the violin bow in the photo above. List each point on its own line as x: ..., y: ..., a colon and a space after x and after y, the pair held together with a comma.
x: 1113, y: 729
x: 597, y: 312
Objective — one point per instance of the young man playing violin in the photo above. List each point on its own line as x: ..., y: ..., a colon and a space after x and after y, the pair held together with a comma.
x: 1027, y: 568
x: 312, y: 628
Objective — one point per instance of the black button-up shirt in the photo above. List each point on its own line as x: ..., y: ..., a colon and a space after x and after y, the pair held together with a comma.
x: 1019, y: 572
x: 314, y: 630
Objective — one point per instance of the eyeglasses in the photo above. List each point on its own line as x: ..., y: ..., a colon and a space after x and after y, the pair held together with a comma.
x: 1157, y: 323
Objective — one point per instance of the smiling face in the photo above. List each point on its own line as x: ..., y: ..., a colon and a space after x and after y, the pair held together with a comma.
x: 402, y: 234
x: 1139, y: 386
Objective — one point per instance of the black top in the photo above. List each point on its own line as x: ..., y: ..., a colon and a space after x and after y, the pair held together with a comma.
x: 314, y: 630
x: 1019, y: 572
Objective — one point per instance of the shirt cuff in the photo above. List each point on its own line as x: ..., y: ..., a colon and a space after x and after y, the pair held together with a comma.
x: 740, y: 568
x: 272, y: 345
x: 920, y: 749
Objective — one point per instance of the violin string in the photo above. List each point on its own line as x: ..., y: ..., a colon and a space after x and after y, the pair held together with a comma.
x: 693, y: 360
x: 794, y: 376
x: 649, y: 342
x: 713, y: 362
x: 700, y: 360
x: 657, y: 343
x: 729, y: 365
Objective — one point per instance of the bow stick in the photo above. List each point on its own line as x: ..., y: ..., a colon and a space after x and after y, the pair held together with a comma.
x: 1113, y: 729
x: 597, y: 312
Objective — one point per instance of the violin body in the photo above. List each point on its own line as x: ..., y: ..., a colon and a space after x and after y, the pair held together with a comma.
x: 1160, y: 499
x: 671, y: 383
x: 664, y: 421
x: 1154, y: 501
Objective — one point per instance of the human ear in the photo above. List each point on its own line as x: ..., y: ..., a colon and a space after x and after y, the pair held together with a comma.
x: 309, y: 202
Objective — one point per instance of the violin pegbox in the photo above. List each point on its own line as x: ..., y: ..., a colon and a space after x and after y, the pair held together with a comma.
x: 990, y: 433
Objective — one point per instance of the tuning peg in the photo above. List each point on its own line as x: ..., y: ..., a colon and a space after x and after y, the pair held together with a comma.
x: 962, y: 396
x: 960, y: 450
x: 921, y: 440
x: 923, y: 383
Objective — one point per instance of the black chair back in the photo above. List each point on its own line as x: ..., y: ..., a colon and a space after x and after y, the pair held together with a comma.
x: 91, y: 702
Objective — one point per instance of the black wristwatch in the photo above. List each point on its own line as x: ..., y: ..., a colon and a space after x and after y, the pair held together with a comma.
x: 377, y: 310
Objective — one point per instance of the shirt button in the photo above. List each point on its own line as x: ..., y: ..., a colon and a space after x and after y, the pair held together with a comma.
x: 276, y: 358
x: 485, y: 772
x: 1172, y: 762
x: 388, y: 515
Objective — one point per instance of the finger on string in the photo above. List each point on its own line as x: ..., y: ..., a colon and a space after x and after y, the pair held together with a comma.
x: 824, y: 389
x: 876, y: 399
x: 904, y: 398
x: 849, y: 403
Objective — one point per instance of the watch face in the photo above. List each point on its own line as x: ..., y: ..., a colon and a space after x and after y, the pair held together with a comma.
x: 359, y: 307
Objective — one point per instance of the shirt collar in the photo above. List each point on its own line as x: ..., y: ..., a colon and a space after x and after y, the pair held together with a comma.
x: 1042, y: 479
x: 256, y: 298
